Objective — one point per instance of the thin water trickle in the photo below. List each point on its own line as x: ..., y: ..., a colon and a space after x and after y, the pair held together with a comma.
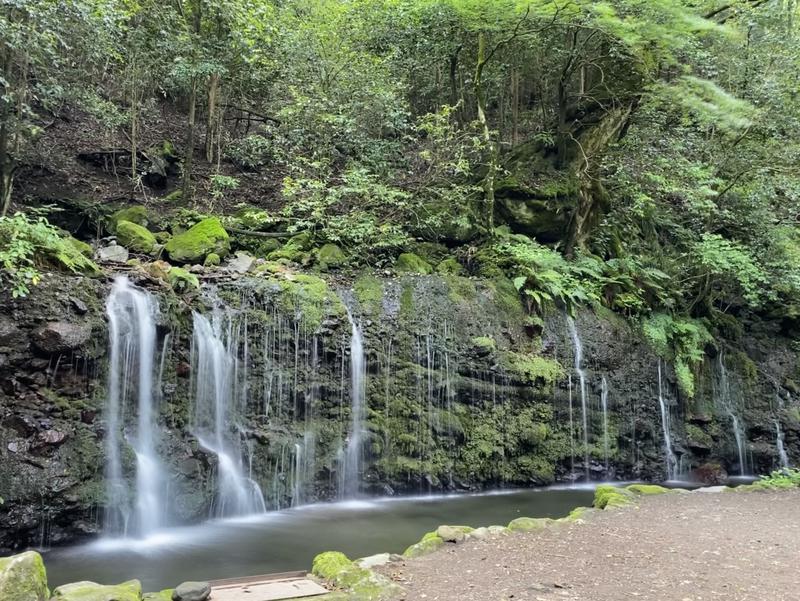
x: 132, y: 341
x: 783, y: 458
x: 669, y: 455
x: 352, y: 455
x: 578, y: 350
x: 726, y: 401
x: 604, y: 404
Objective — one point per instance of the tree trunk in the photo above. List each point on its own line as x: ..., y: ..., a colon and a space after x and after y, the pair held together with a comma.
x: 187, y: 161
x: 6, y: 162
x: 491, y: 166
x: 213, y: 123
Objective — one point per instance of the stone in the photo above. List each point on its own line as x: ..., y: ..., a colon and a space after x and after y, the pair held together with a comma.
x: 61, y: 337
x: 374, y: 560
x: 710, y: 473
x: 136, y: 214
x: 451, y: 534
x: 330, y: 256
x: 212, y: 260
x: 241, y: 263
x: 411, y: 263
x: 23, y: 578
x: 79, y: 306
x: 195, y: 244
x: 113, y: 253
x: 192, y: 591
x: 91, y: 591
x: 48, y: 439
x: 135, y: 237
x: 529, y: 524
x: 181, y: 280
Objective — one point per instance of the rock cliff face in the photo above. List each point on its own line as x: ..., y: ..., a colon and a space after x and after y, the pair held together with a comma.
x: 461, y: 391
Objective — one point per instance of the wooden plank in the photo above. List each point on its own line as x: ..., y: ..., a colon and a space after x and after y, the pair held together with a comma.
x: 257, y: 578
x: 274, y: 590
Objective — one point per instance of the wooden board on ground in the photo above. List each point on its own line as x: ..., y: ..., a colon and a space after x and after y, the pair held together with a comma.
x: 266, y: 589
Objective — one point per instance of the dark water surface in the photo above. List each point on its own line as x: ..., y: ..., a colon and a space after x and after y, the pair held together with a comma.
x: 288, y: 540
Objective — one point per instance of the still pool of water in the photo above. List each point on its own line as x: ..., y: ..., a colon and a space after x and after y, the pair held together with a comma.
x: 288, y: 540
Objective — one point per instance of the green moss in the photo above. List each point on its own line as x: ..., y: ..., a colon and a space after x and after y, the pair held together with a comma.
x: 361, y: 584
x: 460, y: 290
x: 181, y: 280
x: 309, y: 297
x: 407, y: 308
x: 164, y: 595
x: 173, y: 197
x: 369, y: 292
x: 23, y: 578
x: 200, y: 240
x: 212, y: 260
x: 91, y: 591
x: 295, y: 250
x: 534, y: 368
x: 411, y: 263
x: 579, y: 513
x: 428, y: 544
x: 506, y: 297
x: 450, y: 266
x: 330, y: 256
x: 529, y: 524
x: 485, y: 344
x: 135, y: 237
x: 695, y: 434
x: 135, y: 214
x: 85, y: 249
x: 606, y: 496
x: 647, y: 489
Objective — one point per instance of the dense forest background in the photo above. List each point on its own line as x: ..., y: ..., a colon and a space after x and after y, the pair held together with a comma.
x: 635, y: 154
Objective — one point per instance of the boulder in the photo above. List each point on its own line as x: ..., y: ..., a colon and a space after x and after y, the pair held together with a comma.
x: 212, y: 260
x: 529, y: 524
x: 374, y: 560
x: 113, y: 253
x: 23, y: 578
x: 453, y: 534
x: 199, y: 241
x: 192, y: 591
x: 61, y: 337
x: 411, y: 263
x: 136, y: 214
x: 181, y: 280
x: 330, y: 256
x: 135, y: 237
x: 241, y: 263
x: 91, y: 591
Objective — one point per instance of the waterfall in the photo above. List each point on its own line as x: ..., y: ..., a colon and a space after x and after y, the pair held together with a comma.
x: 578, y: 349
x: 783, y: 458
x: 220, y: 394
x: 604, y: 404
x: 352, y: 454
x: 132, y: 341
x: 571, y: 430
x: 725, y: 399
x: 669, y: 455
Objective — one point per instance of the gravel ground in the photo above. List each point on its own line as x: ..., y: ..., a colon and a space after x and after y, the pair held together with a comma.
x: 689, y: 547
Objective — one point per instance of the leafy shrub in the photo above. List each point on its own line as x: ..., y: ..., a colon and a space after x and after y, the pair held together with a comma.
x: 251, y: 153
x: 27, y: 244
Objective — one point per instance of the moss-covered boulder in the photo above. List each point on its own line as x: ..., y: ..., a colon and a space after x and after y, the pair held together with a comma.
x: 330, y: 256
x: 91, y: 591
x: 411, y: 263
x: 135, y: 237
x: 295, y: 250
x: 360, y: 583
x: 648, y: 489
x: 212, y: 260
x: 428, y: 544
x: 85, y: 249
x: 449, y: 266
x: 181, y: 280
x: 136, y: 214
x: 529, y: 524
x: 23, y: 578
x: 453, y: 534
x: 609, y: 497
x: 199, y: 241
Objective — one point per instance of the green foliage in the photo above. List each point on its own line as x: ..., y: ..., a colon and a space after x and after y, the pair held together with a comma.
x: 29, y: 244
x: 784, y: 478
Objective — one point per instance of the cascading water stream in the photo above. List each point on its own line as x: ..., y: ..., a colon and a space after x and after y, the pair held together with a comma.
x: 783, y: 458
x: 578, y: 350
x: 669, y: 455
x: 218, y: 398
x: 604, y: 404
x: 350, y: 480
x: 725, y: 399
x: 132, y: 340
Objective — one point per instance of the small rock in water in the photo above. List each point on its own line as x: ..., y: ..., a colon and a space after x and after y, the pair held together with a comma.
x: 192, y: 591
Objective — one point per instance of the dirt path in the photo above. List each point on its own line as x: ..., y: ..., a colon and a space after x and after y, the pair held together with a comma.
x: 690, y: 547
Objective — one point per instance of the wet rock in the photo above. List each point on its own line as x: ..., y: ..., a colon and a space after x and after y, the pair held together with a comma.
x: 113, y: 253
x: 23, y: 578
x: 241, y: 263
x: 529, y: 524
x: 47, y: 441
x: 711, y: 473
x: 199, y: 241
x: 61, y: 337
x: 78, y: 305
x: 192, y: 591
x: 91, y: 591
x: 374, y: 560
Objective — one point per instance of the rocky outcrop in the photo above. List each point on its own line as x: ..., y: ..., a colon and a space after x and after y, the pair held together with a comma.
x: 23, y: 578
x: 91, y: 591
